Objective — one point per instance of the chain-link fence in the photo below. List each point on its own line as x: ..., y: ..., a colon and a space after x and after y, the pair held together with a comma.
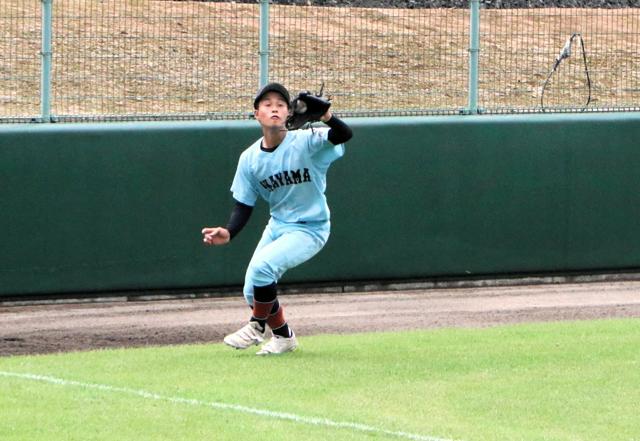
x: 143, y: 57
x: 374, y: 60
x: 163, y: 59
x: 20, y: 62
x: 519, y: 51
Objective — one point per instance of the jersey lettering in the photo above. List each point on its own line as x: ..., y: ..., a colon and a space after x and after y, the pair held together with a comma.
x: 273, y: 182
x: 286, y: 178
x: 278, y: 176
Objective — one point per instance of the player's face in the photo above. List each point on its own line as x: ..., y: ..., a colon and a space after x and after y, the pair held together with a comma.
x: 272, y: 110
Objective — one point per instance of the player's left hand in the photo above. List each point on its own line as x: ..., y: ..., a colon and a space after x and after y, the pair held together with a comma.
x: 307, y: 108
x: 215, y: 236
x: 326, y: 117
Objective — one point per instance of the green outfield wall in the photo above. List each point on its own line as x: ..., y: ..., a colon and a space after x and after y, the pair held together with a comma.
x: 91, y: 208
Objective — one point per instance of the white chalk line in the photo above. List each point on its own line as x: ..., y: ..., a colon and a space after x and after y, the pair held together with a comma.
x: 314, y: 421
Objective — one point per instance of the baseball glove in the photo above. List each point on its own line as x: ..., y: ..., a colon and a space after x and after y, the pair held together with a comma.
x: 307, y: 108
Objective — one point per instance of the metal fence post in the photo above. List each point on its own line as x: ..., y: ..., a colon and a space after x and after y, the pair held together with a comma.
x: 474, y: 50
x: 46, y: 52
x: 264, y: 42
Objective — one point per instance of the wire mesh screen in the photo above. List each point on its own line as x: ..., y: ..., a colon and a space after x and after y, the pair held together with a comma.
x: 20, y: 25
x: 173, y: 59
x: 374, y: 60
x: 143, y: 57
x: 519, y: 48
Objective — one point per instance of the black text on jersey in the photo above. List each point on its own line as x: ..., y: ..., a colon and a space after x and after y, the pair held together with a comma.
x: 284, y: 178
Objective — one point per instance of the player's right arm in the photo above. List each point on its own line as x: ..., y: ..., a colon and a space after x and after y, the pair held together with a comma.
x: 222, y: 235
x: 215, y: 236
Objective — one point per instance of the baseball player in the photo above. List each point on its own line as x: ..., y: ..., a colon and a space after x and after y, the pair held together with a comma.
x: 287, y: 168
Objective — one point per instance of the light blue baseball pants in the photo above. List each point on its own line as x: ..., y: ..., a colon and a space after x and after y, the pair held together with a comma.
x: 283, y: 246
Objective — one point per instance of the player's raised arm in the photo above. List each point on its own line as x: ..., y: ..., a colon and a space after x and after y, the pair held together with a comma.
x: 339, y: 131
x: 307, y: 108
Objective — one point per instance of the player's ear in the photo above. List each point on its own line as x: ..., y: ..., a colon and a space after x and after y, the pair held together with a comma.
x: 255, y: 113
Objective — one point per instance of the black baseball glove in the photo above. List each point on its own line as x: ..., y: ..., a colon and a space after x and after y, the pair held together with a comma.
x: 307, y: 108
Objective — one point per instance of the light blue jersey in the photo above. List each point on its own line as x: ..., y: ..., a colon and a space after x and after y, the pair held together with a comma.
x: 291, y: 179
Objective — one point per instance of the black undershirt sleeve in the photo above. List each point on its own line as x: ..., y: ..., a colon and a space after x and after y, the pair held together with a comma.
x: 339, y: 132
x: 239, y: 217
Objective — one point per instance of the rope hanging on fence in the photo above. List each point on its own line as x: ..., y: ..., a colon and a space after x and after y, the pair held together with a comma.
x: 566, y: 53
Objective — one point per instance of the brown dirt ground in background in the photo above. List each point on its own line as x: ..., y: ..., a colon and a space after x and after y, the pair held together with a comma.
x: 38, y: 329
x: 131, y: 58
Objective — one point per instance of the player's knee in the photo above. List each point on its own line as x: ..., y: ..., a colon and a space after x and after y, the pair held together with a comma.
x: 261, y: 274
x: 248, y: 296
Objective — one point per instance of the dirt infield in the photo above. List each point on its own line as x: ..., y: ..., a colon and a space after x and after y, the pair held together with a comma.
x: 41, y: 329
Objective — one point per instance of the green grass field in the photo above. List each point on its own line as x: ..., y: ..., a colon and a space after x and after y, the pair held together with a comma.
x: 560, y: 381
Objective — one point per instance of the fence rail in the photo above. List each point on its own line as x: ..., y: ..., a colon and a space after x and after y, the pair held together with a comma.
x: 163, y: 59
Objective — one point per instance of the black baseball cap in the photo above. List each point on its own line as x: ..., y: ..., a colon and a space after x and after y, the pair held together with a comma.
x: 272, y: 87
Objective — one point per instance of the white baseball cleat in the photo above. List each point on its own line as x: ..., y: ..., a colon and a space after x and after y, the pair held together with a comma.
x: 279, y: 345
x: 249, y: 335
